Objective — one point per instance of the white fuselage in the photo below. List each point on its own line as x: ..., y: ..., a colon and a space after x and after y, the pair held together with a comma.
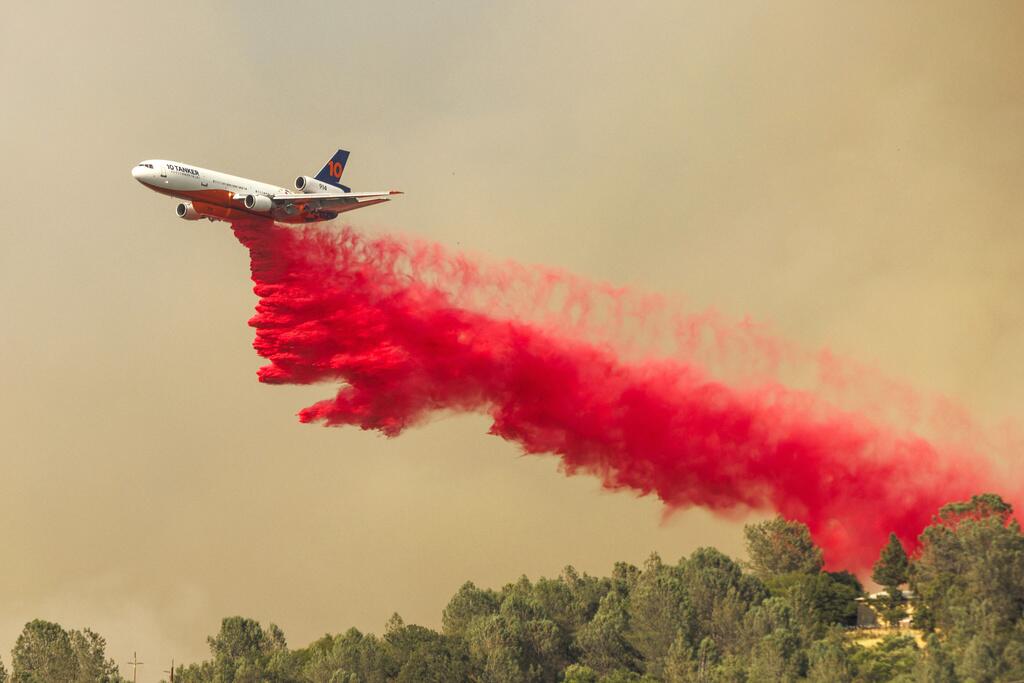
x: 212, y: 194
x: 174, y: 177
x: 221, y: 196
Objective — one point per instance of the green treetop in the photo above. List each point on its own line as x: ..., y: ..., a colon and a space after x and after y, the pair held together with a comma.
x: 893, y: 568
x: 779, y: 546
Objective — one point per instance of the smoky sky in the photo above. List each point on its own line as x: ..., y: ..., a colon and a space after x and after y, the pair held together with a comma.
x: 848, y: 174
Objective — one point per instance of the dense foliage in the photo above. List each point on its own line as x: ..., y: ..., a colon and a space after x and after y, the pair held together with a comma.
x: 704, y: 619
x: 46, y: 653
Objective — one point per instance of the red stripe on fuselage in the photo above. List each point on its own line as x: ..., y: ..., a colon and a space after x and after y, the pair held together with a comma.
x: 220, y: 204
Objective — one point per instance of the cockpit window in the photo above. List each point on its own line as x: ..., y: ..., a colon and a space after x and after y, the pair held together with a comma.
x: 147, y: 165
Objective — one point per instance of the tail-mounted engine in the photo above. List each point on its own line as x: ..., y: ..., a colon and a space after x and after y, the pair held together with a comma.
x: 308, y: 185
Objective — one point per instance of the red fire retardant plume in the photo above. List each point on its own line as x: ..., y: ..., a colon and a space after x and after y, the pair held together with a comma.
x: 335, y: 306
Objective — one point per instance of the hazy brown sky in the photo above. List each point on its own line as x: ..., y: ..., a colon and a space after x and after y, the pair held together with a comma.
x: 851, y: 173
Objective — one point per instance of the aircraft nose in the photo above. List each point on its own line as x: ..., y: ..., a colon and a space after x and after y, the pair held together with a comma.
x: 143, y: 172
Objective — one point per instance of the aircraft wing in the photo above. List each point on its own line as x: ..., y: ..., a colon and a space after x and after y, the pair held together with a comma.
x: 334, y: 201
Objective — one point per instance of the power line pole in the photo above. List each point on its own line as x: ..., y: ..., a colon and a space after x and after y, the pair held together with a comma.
x: 171, y: 671
x: 135, y: 666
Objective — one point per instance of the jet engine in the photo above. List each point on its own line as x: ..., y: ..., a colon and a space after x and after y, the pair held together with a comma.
x: 259, y: 202
x: 186, y: 211
x: 306, y: 184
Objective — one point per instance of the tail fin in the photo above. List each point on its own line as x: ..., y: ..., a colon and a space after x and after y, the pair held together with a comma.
x: 332, y: 170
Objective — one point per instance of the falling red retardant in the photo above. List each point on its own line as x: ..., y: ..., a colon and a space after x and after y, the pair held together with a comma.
x: 335, y: 306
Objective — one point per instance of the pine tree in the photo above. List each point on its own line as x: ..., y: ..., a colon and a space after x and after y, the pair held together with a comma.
x: 893, y: 568
x: 891, y: 571
x: 779, y: 546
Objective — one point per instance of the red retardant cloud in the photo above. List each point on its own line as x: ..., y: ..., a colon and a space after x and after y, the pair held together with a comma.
x: 338, y: 306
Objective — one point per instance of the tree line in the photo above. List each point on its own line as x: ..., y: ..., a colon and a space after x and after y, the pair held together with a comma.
x: 704, y: 619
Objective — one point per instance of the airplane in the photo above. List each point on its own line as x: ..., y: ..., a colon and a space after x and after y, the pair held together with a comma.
x: 219, y: 196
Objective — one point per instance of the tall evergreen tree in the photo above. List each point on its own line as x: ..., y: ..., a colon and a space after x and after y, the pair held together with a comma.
x: 893, y: 568
x: 969, y: 581
x: 603, y: 642
x: 659, y: 608
x: 778, y: 546
x: 467, y: 604
x: 891, y: 571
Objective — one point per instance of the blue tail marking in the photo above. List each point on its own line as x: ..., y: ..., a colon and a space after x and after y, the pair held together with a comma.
x: 332, y: 170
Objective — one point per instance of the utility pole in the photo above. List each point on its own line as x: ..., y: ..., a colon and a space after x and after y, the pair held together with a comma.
x: 171, y: 671
x: 135, y: 666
